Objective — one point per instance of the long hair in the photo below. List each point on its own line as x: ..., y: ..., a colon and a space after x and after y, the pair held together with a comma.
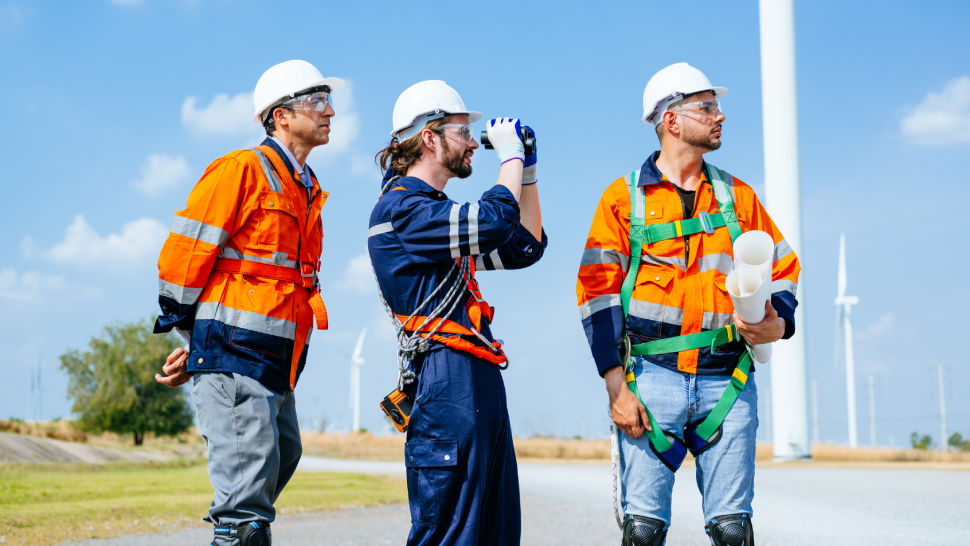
x: 401, y: 156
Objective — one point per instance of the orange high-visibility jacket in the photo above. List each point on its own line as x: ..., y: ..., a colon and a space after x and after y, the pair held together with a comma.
x: 239, y: 268
x: 677, y: 292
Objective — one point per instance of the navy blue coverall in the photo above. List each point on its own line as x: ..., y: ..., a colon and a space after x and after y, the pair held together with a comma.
x: 463, y: 484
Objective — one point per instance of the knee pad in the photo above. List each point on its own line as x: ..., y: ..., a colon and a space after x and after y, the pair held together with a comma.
x: 731, y: 530
x: 641, y: 531
x: 249, y: 534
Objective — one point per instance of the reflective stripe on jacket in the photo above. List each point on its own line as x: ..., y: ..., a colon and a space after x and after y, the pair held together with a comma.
x: 417, y: 233
x: 244, y: 323
x: 675, y: 293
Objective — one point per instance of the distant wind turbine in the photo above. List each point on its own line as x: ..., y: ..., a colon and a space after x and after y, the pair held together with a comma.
x: 843, y: 319
x: 355, y: 362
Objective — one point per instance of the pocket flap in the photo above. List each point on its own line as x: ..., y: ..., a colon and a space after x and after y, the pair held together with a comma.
x: 428, y: 453
x: 270, y: 200
x: 653, y: 212
x: 661, y: 276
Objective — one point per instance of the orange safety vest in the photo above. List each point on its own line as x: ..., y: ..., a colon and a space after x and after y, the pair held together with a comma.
x: 246, y: 251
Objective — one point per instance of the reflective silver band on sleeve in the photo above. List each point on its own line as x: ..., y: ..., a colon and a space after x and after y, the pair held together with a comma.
x: 599, y: 303
x: 473, y: 230
x: 784, y: 286
x: 782, y: 249
x: 386, y: 227
x: 181, y: 294
x: 599, y: 256
x: 271, y: 178
x: 194, y: 229
x: 453, y: 231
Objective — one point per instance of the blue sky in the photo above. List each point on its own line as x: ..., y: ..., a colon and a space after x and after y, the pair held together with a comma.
x: 114, y: 109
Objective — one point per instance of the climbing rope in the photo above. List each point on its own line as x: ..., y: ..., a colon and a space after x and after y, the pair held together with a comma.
x: 411, y: 345
x: 614, y: 459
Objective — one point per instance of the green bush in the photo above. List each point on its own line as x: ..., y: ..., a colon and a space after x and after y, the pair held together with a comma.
x: 113, y: 384
x: 920, y: 442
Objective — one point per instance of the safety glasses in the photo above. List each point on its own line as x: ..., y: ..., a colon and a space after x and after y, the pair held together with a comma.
x: 710, y: 108
x: 316, y: 102
x: 457, y: 132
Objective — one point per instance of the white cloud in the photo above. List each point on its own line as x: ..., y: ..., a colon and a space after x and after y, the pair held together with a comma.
x: 160, y: 173
x: 358, y: 276
x: 29, y: 286
x: 942, y: 118
x: 224, y: 116
x: 137, y: 245
x: 882, y: 326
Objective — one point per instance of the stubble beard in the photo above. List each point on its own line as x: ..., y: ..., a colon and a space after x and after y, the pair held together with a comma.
x: 702, y: 139
x: 454, y: 160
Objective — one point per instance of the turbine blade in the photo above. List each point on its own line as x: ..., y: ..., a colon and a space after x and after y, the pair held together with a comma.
x: 838, y: 333
x: 360, y: 347
x: 843, y: 280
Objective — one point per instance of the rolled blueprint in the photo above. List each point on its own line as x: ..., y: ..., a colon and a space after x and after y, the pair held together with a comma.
x: 750, y: 283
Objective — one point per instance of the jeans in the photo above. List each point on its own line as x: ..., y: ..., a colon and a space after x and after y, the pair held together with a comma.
x: 254, y: 446
x: 725, y: 472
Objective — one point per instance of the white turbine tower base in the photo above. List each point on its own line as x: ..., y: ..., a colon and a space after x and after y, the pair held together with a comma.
x: 355, y: 362
x: 843, y: 320
x: 782, y: 193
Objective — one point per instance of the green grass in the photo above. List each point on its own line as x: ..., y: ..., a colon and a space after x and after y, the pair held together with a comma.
x: 47, y: 504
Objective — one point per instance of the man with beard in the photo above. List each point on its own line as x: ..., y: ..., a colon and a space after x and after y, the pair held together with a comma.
x: 651, y: 285
x: 462, y: 477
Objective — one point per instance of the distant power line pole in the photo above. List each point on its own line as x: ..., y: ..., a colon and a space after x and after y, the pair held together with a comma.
x: 942, y: 413
x: 814, y: 411
x: 872, y: 414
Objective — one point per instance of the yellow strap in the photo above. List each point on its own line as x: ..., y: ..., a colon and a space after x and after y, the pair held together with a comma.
x: 730, y: 334
x: 680, y: 232
x: 741, y: 376
x: 630, y: 378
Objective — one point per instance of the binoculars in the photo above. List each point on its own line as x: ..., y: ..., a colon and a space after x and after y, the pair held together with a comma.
x: 527, y: 140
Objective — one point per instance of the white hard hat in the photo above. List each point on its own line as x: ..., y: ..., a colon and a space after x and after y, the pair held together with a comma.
x: 670, y: 85
x: 286, y: 80
x: 423, y: 102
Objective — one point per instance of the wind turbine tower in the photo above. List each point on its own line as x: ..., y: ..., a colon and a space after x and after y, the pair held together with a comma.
x: 843, y: 320
x: 783, y: 201
x: 355, y: 362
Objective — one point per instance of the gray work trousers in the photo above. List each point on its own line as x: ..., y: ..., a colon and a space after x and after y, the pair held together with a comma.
x: 254, y: 446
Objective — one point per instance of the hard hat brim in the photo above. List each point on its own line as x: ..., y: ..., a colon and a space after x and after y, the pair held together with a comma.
x: 333, y: 83
x: 472, y: 118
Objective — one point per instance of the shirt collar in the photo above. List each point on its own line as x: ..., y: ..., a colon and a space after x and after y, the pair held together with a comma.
x: 412, y: 183
x: 650, y: 174
x: 287, y: 156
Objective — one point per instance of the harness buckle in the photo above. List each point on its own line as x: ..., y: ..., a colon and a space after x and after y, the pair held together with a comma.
x: 706, y: 222
x: 308, y: 270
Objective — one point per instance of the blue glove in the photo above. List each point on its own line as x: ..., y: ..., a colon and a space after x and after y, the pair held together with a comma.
x: 529, y: 173
x: 503, y: 134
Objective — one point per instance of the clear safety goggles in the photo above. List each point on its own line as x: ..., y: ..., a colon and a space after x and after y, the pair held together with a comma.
x: 708, y: 108
x: 458, y: 132
x: 316, y: 102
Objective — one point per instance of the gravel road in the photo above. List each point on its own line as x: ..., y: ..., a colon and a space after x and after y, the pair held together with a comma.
x: 570, y: 505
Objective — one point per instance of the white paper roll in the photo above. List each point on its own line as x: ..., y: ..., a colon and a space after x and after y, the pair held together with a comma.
x: 750, y: 283
x: 754, y: 248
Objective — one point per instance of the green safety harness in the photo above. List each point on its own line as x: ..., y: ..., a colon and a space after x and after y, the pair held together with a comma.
x: 669, y: 448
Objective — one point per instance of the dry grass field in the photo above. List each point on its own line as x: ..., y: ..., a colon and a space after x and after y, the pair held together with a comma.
x: 64, y: 430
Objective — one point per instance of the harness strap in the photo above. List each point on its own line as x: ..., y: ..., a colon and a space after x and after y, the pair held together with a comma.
x: 492, y: 354
x: 640, y: 234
